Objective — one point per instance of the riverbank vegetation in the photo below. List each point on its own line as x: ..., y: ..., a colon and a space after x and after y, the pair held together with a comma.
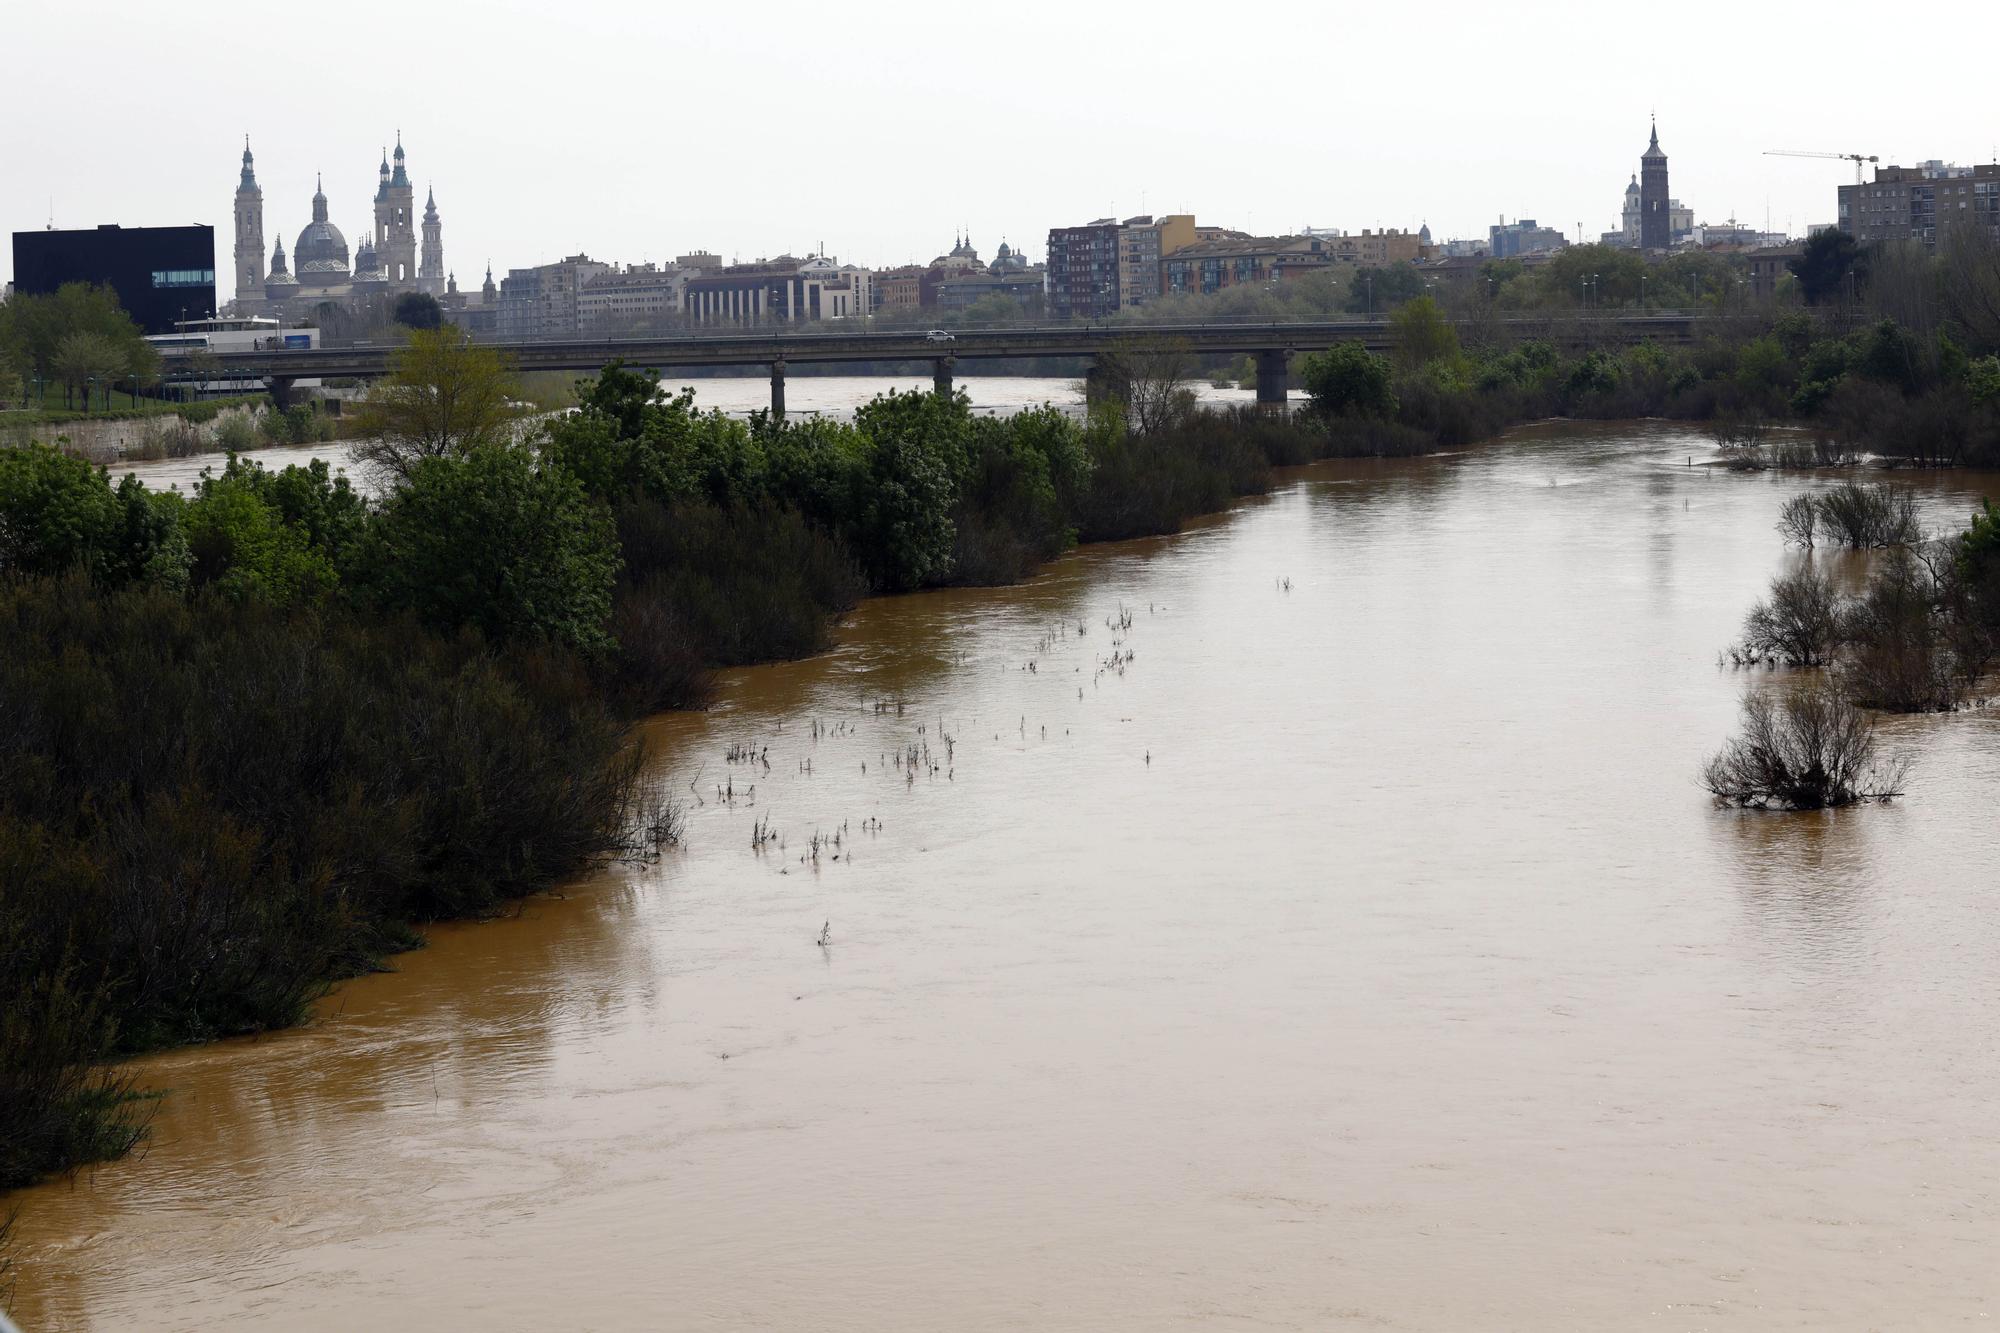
x: 1919, y: 637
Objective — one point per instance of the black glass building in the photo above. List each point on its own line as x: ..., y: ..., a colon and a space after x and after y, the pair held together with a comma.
x: 161, y: 274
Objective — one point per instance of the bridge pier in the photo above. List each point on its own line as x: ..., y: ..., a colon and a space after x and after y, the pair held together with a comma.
x: 281, y: 391
x: 778, y: 391
x: 1273, y: 380
x: 941, y: 375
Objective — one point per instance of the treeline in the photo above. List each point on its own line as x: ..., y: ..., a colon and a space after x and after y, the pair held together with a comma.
x: 1878, y: 389
x: 79, y: 339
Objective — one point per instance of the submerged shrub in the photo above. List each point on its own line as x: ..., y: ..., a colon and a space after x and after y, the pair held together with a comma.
x: 1800, y: 623
x: 1899, y: 653
x: 1808, y: 750
x: 1861, y: 516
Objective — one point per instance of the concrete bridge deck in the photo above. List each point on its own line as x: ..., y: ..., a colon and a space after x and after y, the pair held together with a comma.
x: 1273, y: 344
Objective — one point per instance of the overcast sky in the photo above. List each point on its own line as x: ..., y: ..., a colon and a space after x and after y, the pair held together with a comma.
x: 641, y: 130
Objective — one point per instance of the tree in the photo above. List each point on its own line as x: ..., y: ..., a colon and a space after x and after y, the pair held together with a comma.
x: 418, y: 310
x: 86, y: 362
x: 1348, y: 381
x: 280, y: 536
x: 1970, y: 259
x: 1422, y: 334
x: 1825, y: 265
x: 445, y: 396
x: 1150, y: 376
x: 496, y: 539
x: 59, y: 513
x: 1375, y: 290
x: 916, y: 445
x: 34, y: 329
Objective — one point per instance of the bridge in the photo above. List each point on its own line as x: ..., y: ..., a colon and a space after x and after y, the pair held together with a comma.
x: 1272, y: 344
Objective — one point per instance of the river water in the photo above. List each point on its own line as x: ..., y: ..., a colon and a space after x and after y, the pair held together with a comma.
x: 1312, y: 921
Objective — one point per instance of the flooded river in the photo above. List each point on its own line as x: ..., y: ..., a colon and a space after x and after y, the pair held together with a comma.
x: 1310, y: 921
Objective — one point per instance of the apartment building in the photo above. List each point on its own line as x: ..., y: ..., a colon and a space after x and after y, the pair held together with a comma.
x: 1921, y: 203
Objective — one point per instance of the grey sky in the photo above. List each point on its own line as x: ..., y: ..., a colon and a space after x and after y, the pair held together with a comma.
x: 641, y: 130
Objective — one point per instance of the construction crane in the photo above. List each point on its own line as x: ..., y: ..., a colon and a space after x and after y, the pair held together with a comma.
x: 1856, y: 158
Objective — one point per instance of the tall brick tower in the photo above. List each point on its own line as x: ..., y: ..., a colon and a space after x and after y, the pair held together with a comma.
x: 249, y: 232
x: 396, y: 223
x: 432, y: 269
x: 1656, y: 231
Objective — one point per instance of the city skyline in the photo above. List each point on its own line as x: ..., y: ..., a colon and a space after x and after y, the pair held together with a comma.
x: 600, y: 156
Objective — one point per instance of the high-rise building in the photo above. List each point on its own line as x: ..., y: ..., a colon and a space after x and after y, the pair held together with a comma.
x: 1656, y: 227
x: 1522, y: 237
x: 1083, y: 270
x: 249, y: 231
x: 1922, y: 203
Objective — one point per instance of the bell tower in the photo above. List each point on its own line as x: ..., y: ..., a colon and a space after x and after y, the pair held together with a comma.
x: 433, y: 262
x: 1656, y: 225
x: 249, y: 231
x: 396, y: 222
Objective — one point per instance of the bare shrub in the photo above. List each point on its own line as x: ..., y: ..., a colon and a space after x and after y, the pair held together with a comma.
x: 1798, y: 520
x: 1860, y: 516
x: 1739, y: 430
x: 655, y: 820
x: 1800, y: 625
x: 1809, y: 750
x: 1899, y: 655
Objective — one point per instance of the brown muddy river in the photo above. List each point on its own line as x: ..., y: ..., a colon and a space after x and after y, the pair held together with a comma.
x: 1357, y: 950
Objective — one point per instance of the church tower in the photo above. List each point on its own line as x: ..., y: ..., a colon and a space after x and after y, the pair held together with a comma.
x: 433, y: 265
x: 396, y: 222
x: 1656, y: 230
x: 249, y: 232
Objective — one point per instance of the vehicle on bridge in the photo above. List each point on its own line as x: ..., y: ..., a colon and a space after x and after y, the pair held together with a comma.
x: 940, y: 336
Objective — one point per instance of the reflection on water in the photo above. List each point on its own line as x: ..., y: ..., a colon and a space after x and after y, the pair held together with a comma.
x: 1359, y: 949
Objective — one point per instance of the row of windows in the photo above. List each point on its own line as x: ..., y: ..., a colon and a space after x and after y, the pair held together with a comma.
x: 183, y: 277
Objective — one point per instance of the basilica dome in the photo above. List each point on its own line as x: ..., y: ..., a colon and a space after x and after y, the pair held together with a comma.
x: 320, y: 255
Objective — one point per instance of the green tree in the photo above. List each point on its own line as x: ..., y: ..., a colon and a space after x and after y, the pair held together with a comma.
x: 86, y: 363
x: 916, y: 446
x: 36, y: 327
x: 1348, y: 380
x: 1824, y: 266
x: 243, y: 546
x: 496, y: 539
x: 1376, y: 290
x: 1593, y: 275
x: 445, y: 395
x: 418, y: 310
x: 1982, y: 379
x: 279, y: 536
x: 59, y: 513
x: 1422, y: 334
